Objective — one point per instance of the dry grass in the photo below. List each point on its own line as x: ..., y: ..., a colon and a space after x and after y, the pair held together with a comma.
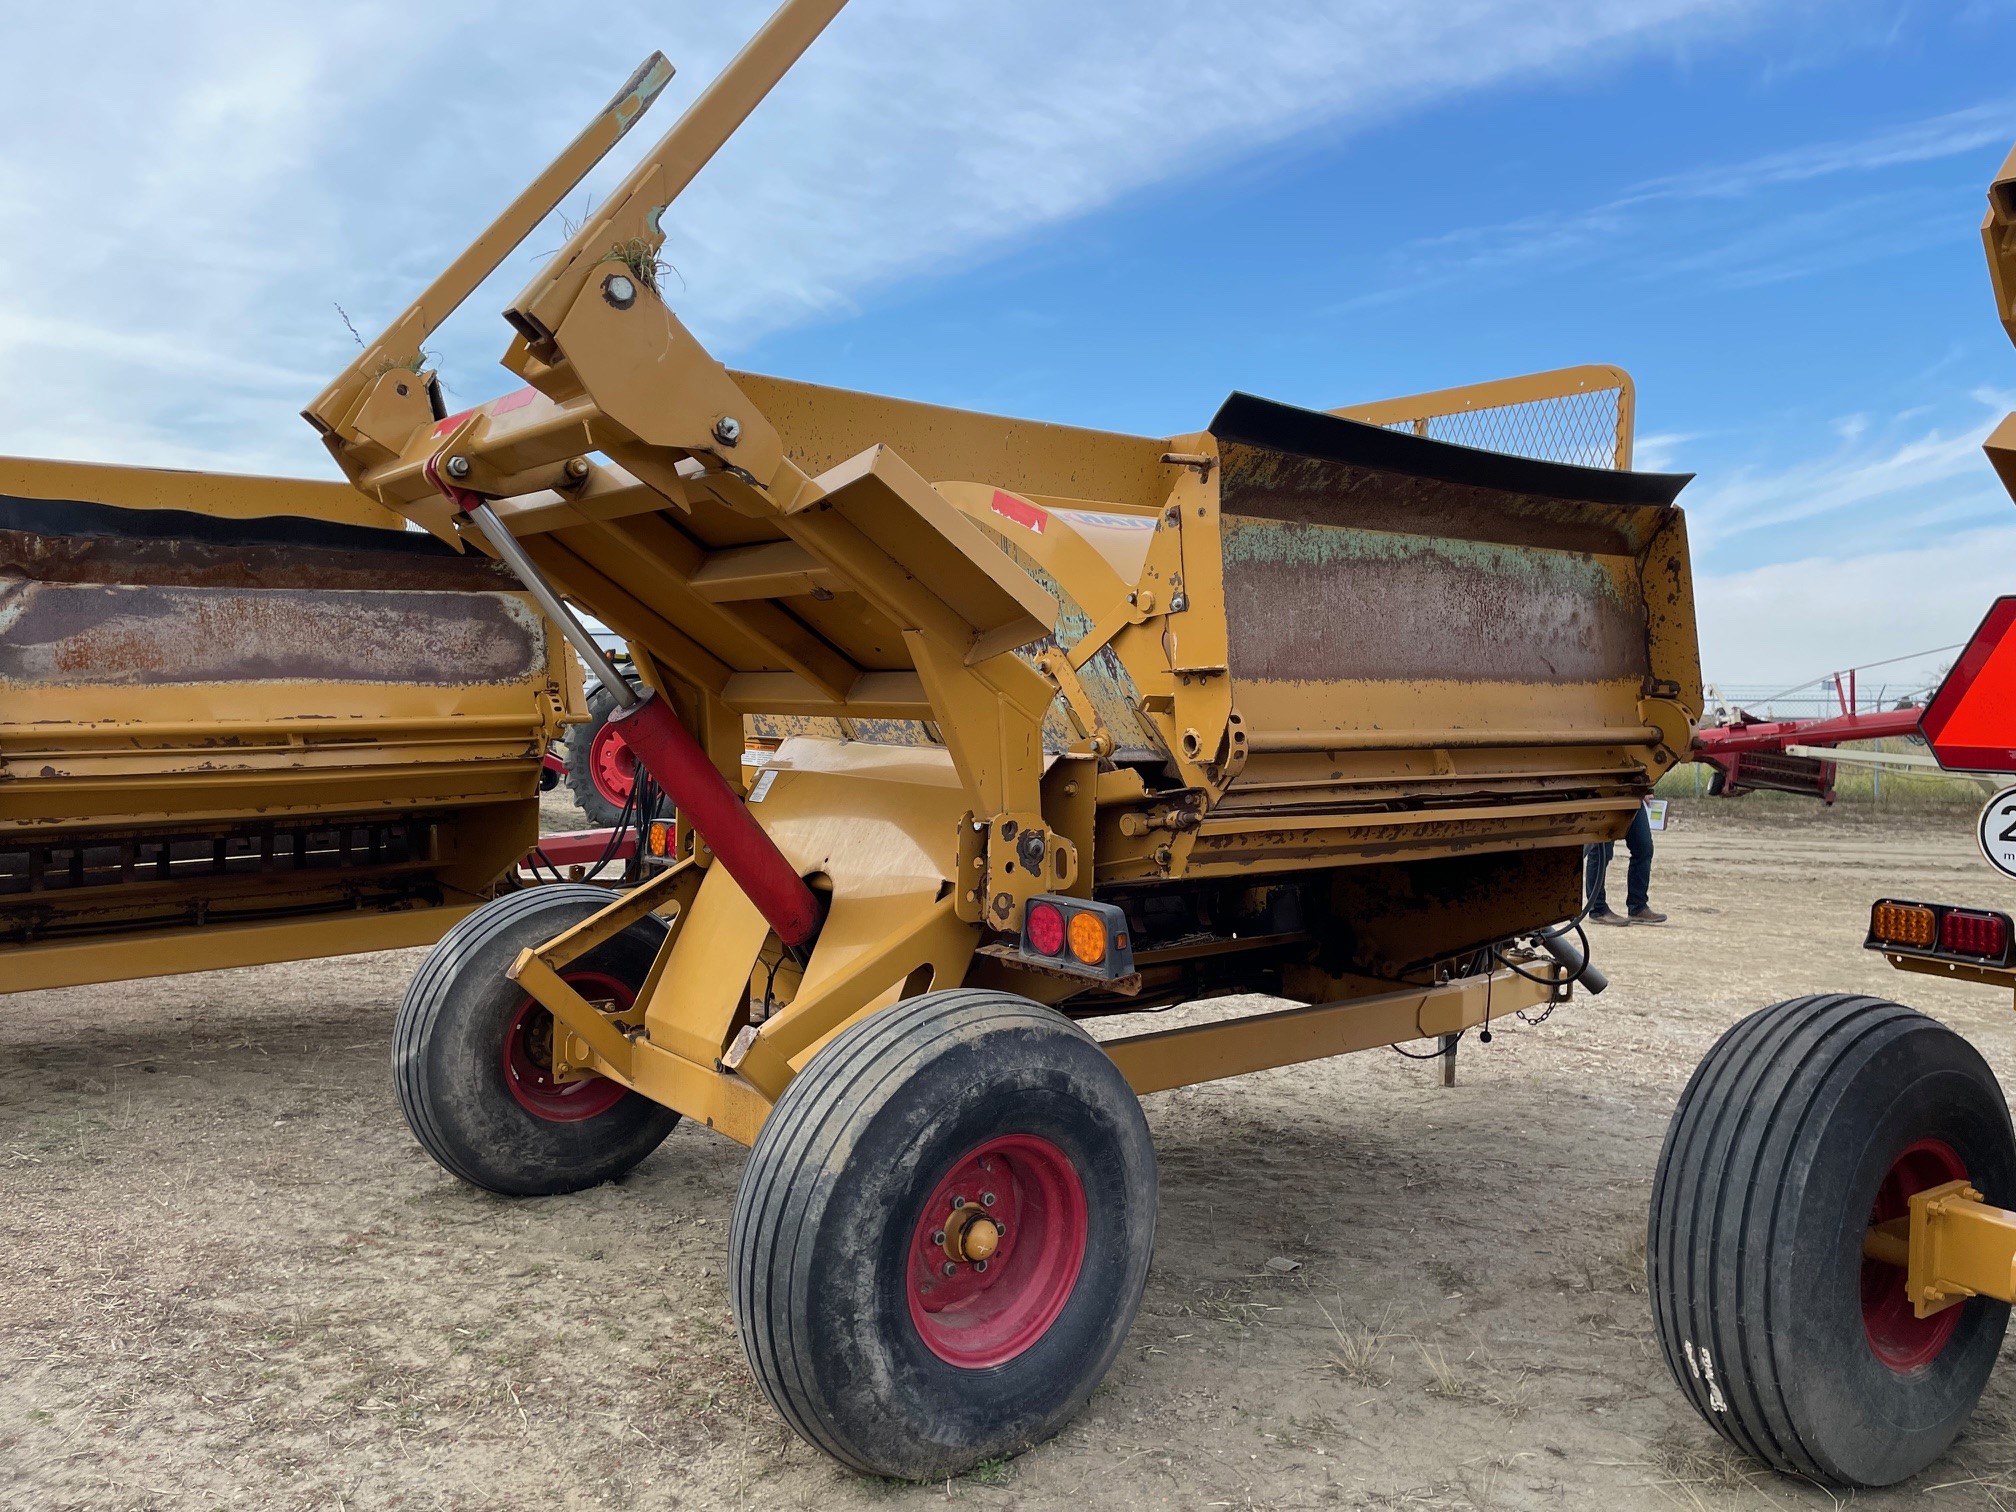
x: 1361, y: 1354
x: 640, y: 255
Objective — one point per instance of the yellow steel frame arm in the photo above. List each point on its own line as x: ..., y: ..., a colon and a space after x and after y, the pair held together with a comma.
x: 629, y: 217
x: 399, y: 346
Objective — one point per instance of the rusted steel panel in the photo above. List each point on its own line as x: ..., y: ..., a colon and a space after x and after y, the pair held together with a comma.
x: 1354, y: 553
x: 91, y: 634
x: 1283, y: 463
x: 1282, y: 486
x: 1321, y: 603
x: 195, y: 564
x: 68, y: 541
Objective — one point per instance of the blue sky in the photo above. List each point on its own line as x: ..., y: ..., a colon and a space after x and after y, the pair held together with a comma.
x: 1113, y: 215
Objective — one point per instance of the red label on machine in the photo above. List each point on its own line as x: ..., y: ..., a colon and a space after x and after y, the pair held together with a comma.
x: 1971, y: 722
x: 1020, y: 511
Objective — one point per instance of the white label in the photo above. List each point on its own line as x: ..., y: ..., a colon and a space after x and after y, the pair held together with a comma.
x: 762, y: 789
x: 1998, y: 832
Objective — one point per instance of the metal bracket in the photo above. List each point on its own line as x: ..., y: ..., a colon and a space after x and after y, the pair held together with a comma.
x: 1004, y: 862
x: 1952, y: 1247
x: 1056, y: 666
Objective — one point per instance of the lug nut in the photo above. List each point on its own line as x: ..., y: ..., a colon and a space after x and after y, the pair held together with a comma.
x: 979, y: 1265
x: 727, y: 430
x: 950, y: 1268
x: 619, y: 291
x: 958, y: 1203
x: 458, y: 467
x: 986, y: 1199
x: 939, y: 1237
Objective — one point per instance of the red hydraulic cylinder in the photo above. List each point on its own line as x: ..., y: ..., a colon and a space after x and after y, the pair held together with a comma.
x: 695, y: 785
x: 656, y: 737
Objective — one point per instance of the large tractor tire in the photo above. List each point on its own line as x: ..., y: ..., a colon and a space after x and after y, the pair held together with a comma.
x: 601, y: 768
x: 1807, y: 1123
x: 943, y: 1234
x: 472, y: 1053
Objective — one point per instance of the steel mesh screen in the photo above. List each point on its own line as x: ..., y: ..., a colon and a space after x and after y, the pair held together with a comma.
x: 1579, y: 428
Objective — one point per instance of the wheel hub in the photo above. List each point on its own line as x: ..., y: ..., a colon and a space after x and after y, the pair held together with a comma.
x: 529, y: 1060
x: 997, y: 1250
x: 612, y: 765
x: 1897, y: 1335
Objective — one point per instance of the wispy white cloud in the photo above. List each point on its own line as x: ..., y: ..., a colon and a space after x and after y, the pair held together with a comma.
x: 1720, y: 251
x: 1794, y: 620
x: 188, y: 190
x: 1893, y: 146
x: 1882, y: 482
x: 1892, y: 540
x: 1663, y: 451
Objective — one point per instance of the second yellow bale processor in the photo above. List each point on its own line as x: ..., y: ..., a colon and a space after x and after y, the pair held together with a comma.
x: 251, y: 719
x: 1090, y: 723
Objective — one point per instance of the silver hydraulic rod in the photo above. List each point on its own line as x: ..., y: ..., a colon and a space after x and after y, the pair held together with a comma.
x: 498, y: 534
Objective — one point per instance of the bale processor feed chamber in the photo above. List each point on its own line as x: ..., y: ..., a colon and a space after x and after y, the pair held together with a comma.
x: 246, y: 720
x: 1088, y: 724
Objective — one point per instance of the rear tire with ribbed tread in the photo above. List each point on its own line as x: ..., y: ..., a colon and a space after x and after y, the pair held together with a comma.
x: 448, y: 1052
x: 830, y: 1208
x: 1765, y: 1188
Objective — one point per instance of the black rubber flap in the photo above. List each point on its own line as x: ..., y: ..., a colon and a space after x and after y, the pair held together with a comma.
x: 1244, y: 419
x: 76, y: 518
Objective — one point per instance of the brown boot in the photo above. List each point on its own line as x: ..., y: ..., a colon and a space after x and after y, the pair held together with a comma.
x: 1604, y: 916
x: 1647, y: 916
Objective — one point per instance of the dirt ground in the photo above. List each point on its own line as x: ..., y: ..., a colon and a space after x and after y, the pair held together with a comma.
x: 233, y: 1280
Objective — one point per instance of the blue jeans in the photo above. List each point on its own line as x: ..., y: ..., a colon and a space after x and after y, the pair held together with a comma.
x: 1637, y: 877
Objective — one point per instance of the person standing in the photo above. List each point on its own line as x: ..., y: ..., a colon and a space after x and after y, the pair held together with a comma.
x: 1637, y: 876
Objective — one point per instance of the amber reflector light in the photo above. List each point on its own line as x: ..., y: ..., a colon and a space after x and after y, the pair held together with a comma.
x: 1088, y: 938
x: 1904, y: 924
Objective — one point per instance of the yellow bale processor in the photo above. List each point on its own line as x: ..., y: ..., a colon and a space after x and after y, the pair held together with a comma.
x: 251, y: 719
x: 1086, y: 724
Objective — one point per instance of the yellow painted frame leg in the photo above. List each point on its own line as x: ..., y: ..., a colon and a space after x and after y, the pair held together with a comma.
x: 767, y: 1057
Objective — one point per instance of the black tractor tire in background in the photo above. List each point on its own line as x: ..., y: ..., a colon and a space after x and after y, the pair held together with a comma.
x: 468, y: 1046
x: 601, y: 808
x: 1806, y: 1122
x: 920, y: 1120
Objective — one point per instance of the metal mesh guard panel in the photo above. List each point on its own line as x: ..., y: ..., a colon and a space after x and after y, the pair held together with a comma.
x: 1580, y: 428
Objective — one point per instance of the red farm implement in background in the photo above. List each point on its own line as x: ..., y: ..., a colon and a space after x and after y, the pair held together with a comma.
x: 1969, y: 724
x: 1793, y: 755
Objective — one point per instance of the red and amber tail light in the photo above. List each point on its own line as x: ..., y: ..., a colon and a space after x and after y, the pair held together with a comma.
x: 1977, y: 936
x: 1077, y: 936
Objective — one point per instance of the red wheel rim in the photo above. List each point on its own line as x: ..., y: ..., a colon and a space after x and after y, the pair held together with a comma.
x: 1897, y: 1335
x: 528, y: 1057
x: 612, y: 765
x: 985, y: 1313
